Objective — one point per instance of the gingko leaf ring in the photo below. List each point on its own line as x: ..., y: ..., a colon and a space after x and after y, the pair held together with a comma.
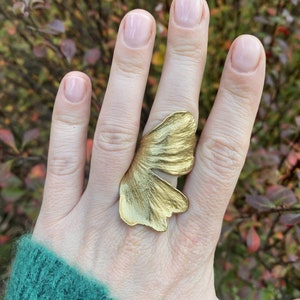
x: 146, y: 198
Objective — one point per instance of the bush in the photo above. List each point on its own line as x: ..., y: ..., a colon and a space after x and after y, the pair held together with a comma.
x: 258, y: 255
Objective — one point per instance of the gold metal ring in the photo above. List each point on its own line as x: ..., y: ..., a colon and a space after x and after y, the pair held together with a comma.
x: 146, y: 198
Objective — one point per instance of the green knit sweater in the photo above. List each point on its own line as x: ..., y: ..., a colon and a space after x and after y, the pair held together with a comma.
x: 39, y: 274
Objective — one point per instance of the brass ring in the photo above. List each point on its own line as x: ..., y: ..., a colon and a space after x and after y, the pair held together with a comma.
x: 146, y: 198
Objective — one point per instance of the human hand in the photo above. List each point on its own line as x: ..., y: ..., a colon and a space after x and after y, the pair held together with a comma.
x: 84, y: 227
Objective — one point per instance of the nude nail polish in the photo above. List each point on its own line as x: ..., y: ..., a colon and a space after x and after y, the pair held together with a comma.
x: 245, y: 54
x: 74, y: 89
x: 137, y: 29
x: 188, y: 13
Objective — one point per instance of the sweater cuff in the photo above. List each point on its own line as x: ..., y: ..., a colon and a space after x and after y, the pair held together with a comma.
x: 38, y: 273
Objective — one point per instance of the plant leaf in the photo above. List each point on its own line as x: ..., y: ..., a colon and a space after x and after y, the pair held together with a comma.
x: 19, y: 8
x: 37, y: 4
x: 91, y: 56
x: 5, y: 173
x: 68, y: 48
x: 39, y: 51
x: 290, y: 219
x: 281, y: 195
x: 253, y: 240
x: 30, y: 135
x: 11, y: 193
x: 261, y: 203
x: 36, y: 176
x: 7, y: 137
x: 4, y: 239
x: 89, y: 147
x: 297, y: 229
x: 145, y: 198
x: 56, y: 27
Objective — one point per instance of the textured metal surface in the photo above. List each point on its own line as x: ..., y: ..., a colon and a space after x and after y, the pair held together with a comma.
x: 145, y: 198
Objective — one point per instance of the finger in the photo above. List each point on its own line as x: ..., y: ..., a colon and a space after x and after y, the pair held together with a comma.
x: 184, y: 61
x: 118, y: 124
x: 66, y: 157
x: 225, y: 139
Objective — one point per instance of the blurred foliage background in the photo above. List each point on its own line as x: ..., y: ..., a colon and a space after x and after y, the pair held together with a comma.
x: 258, y: 256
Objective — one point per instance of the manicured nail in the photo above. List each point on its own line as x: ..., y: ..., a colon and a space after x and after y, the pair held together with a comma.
x: 245, y: 54
x: 74, y: 89
x: 137, y: 29
x: 188, y: 13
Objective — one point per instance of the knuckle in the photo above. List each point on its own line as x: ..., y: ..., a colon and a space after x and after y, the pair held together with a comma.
x: 223, y: 155
x: 63, y: 165
x: 189, y: 241
x: 130, y: 67
x: 189, y: 52
x: 241, y: 94
x: 115, y: 138
x: 191, y: 244
x: 62, y: 119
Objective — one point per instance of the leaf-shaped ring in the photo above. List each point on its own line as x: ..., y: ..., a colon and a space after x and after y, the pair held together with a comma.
x: 145, y: 198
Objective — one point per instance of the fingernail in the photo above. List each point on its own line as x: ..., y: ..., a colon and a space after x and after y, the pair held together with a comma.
x: 188, y: 12
x: 245, y: 54
x: 137, y: 29
x: 74, y: 89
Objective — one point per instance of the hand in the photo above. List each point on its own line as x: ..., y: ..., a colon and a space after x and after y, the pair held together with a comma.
x: 84, y: 227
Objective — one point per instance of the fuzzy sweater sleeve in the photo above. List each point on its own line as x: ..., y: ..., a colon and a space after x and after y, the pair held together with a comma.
x: 38, y: 273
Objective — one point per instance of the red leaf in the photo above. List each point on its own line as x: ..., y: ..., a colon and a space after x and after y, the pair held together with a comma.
x: 30, y: 135
x: 91, y: 56
x: 253, y: 240
x: 36, y: 176
x: 89, y: 146
x: 4, y: 239
x: 68, y: 48
x: 290, y: 219
x: 293, y: 158
x: 38, y: 171
x: 7, y: 137
x: 284, y: 30
x: 261, y: 203
x: 271, y: 11
x: 231, y: 213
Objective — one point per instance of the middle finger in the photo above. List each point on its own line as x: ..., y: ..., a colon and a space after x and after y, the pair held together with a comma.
x: 184, y: 64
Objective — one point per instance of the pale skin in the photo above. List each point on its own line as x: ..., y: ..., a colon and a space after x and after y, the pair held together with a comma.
x: 84, y: 227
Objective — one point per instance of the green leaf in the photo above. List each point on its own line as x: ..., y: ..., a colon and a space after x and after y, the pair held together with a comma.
x: 12, y: 194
